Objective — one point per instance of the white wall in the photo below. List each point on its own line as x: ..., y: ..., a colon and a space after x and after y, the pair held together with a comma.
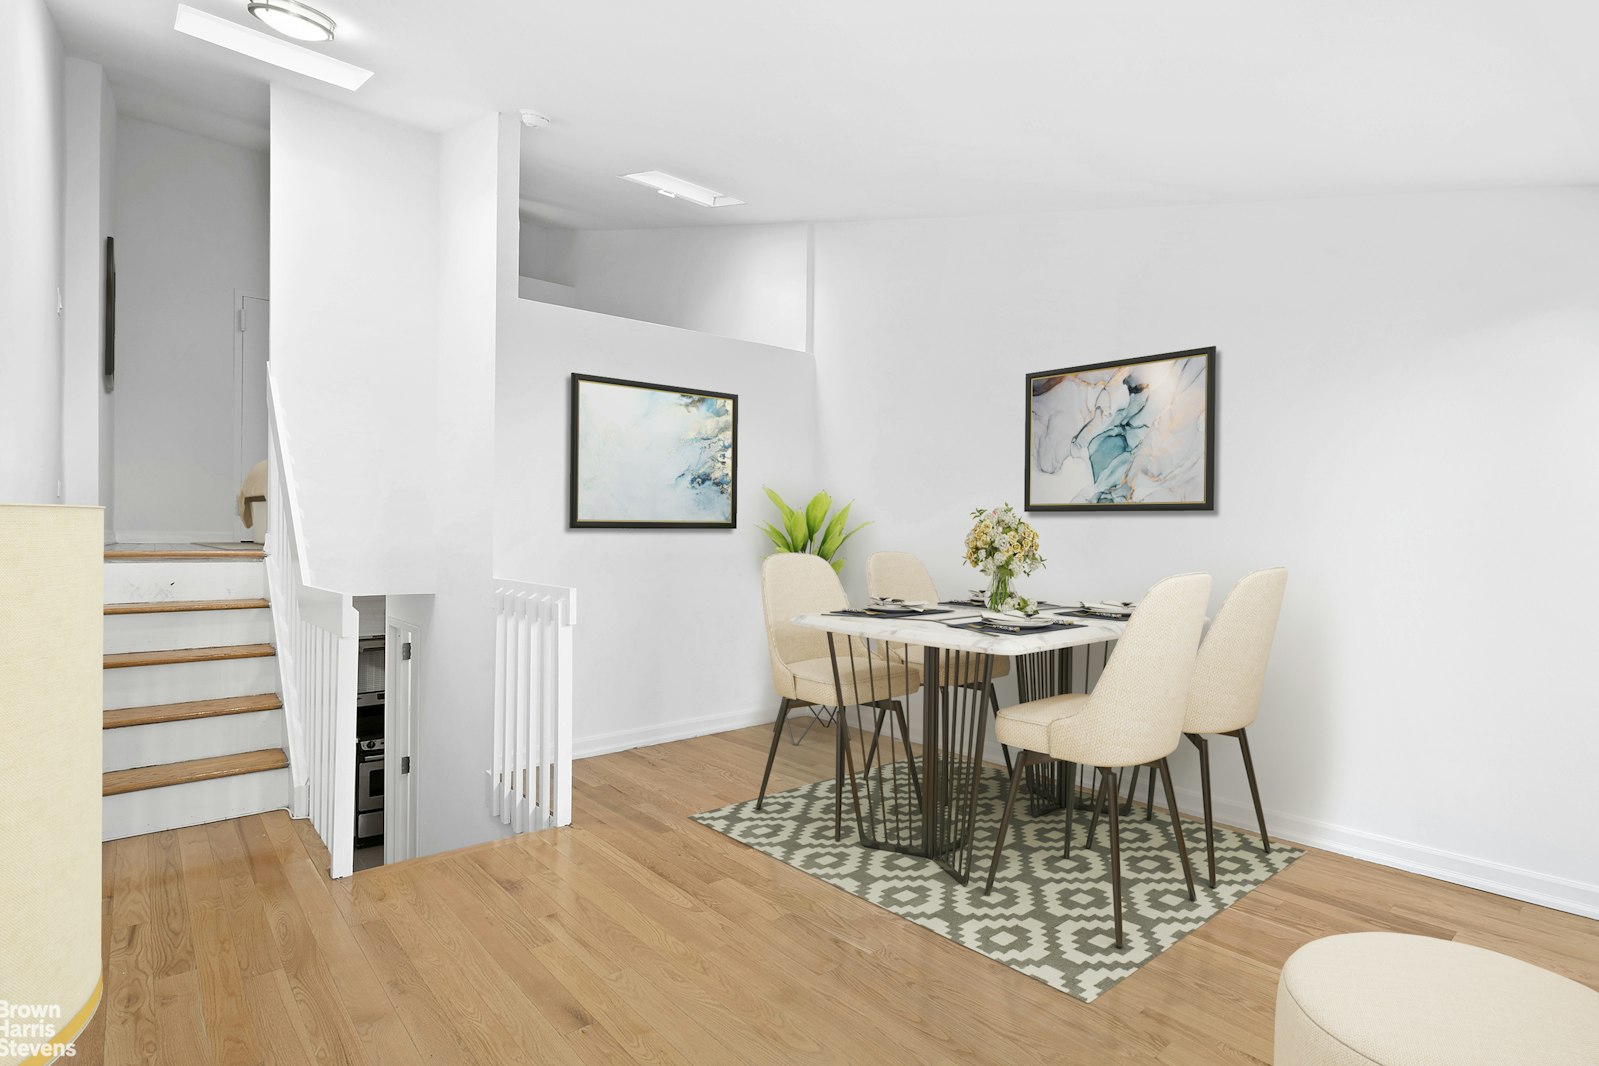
x: 191, y: 230
x: 355, y: 335
x: 669, y: 641
x: 1404, y: 391
x: 477, y: 275
x: 89, y: 208
x: 31, y: 177
x: 747, y: 282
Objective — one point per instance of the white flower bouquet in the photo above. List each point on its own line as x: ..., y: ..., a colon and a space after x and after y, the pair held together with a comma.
x: 1003, y: 547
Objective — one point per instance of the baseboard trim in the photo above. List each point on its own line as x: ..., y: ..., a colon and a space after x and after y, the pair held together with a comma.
x: 1500, y: 879
x: 169, y: 536
x: 1513, y: 882
x: 626, y: 739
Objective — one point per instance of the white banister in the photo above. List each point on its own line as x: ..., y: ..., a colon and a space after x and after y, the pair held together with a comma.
x: 530, y: 776
x: 316, y: 636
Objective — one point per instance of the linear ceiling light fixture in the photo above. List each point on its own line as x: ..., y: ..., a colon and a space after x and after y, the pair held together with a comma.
x: 677, y: 188
x: 269, y: 49
x: 293, y: 19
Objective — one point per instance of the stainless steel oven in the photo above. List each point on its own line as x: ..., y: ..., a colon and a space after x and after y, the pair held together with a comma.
x: 368, y: 792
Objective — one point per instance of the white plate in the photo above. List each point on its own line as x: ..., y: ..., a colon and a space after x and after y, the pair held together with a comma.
x: 1109, y: 607
x: 1021, y: 621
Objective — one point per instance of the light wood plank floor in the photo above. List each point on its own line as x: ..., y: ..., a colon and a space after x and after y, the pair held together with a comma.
x: 638, y: 936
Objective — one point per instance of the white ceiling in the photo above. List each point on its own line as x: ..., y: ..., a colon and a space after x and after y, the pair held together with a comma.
x: 857, y: 109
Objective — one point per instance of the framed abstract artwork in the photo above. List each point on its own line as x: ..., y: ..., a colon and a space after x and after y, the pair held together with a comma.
x: 649, y: 456
x: 1133, y: 435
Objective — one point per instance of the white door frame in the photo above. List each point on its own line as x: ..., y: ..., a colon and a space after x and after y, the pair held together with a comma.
x: 399, y: 738
x: 239, y: 296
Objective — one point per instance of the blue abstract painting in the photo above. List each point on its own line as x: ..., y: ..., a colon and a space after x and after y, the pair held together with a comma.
x: 652, y: 455
x: 1123, y: 436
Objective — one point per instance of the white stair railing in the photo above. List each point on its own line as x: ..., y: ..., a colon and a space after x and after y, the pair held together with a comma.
x: 530, y: 779
x: 316, y: 636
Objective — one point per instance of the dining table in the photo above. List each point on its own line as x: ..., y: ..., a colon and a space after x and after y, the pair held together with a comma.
x: 919, y: 795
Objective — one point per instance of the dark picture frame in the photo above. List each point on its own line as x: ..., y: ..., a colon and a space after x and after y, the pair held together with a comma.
x: 673, y: 393
x: 1036, y: 388
x: 108, y: 343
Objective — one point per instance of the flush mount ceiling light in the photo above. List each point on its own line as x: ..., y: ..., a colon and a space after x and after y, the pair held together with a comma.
x: 293, y: 19
x: 677, y: 188
x: 269, y: 49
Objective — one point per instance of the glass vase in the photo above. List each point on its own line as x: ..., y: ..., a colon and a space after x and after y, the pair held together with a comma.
x: 999, y: 588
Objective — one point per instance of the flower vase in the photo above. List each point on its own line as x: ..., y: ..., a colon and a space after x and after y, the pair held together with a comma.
x: 999, y: 593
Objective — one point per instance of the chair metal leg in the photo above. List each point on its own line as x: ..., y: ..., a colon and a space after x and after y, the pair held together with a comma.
x: 1093, y: 821
x: 1132, y: 788
x: 1109, y: 776
x: 1177, y: 828
x: 1070, y: 770
x: 838, y: 774
x: 1204, y: 790
x: 1016, y: 776
x: 1254, y: 789
x: 1149, y: 801
x: 771, y: 756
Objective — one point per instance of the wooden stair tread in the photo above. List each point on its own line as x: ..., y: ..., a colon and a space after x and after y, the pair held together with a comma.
x: 176, y: 606
x: 182, y: 712
x: 180, y: 773
x: 187, y: 655
x: 185, y: 553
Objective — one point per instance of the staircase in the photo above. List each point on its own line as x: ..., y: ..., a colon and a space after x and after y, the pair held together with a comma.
x: 193, y: 723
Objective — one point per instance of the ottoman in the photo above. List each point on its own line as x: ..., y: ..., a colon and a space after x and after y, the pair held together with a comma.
x: 1388, y: 999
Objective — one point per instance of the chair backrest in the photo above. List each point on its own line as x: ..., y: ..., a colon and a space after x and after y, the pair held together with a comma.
x: 795, y: 584
x: 900, y: 575
x: 1135, y: 714
x: 1230, y: 670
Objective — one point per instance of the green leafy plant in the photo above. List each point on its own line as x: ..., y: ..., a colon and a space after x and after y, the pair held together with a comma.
x: 809, y: 530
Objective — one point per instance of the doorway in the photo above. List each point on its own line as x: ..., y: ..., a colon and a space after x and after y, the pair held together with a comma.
x: 250, y: 348
x: 404, y: 652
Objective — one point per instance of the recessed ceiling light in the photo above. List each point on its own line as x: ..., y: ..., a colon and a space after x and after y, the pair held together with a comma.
x: 293, y: 19
x: 269, y: 49
x: 667, y: 185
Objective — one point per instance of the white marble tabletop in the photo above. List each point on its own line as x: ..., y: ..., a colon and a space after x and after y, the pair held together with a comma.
x: 910, y: 629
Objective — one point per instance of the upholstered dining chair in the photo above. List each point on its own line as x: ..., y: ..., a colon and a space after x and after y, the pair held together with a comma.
x: 1229, y: 674
x: 793, y: 584
x: 901, y: 575
x: 1134, y: 716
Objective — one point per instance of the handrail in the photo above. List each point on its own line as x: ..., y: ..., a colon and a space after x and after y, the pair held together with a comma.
x: 316, y: 637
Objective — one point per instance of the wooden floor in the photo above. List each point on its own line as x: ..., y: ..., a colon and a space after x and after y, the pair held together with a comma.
x: 637, y: 935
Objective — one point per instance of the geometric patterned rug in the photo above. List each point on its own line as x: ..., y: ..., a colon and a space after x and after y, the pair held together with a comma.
x: 1048, y: 916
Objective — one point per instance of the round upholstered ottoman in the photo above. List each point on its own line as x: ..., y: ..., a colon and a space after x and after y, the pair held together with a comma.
x: 1387, y: 999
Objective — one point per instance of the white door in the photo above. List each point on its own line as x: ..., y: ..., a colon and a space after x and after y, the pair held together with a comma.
x: 404, y: 647
x: 251, y: 377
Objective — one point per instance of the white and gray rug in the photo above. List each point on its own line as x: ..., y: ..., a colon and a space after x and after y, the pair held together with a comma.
x: 1048, y: 916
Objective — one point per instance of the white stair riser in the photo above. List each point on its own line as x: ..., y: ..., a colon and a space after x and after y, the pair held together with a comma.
x: 154, y: 810
x: 140, y: 686
x: 196, y: 738
x: 158, y: 580
x: 186, y: 629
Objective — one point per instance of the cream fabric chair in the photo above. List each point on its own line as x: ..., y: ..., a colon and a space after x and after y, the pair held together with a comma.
x: 1224, y: 696
x: 1392, y: 999
x: 1134, y: 716
x: 793, y: 584
x: 901, y: 575
x: 1229, y: 674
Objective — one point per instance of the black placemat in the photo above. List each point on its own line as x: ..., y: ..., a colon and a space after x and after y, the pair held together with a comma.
x: 1009, y: 631
x: 1095, y: 617
x: 864, y: 613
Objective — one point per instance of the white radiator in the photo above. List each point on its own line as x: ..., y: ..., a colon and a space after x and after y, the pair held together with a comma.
x: 530, y: 778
